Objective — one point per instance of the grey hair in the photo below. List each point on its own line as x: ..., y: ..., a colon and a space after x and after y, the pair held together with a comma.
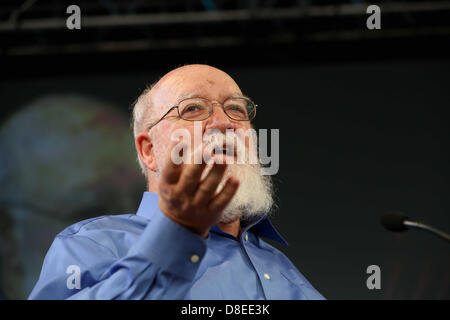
x: 141, y: 118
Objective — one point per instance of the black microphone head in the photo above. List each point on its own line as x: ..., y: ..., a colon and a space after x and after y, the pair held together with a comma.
x: 393, y: 221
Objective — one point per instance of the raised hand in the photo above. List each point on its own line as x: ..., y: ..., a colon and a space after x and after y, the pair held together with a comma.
x: 190, y: 201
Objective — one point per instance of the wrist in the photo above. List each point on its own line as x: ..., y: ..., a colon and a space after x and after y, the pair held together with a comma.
x: 202, y: 232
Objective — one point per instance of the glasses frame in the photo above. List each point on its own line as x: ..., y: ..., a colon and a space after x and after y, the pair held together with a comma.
x: 212, y: 103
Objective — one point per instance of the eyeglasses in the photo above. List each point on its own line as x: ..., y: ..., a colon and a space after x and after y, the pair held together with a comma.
x: 199, y: 109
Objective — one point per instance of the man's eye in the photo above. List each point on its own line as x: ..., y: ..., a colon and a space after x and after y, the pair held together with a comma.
x: 192, y: 108
x: 236, y: 108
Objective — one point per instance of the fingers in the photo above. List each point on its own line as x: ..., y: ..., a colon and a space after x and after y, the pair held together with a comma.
x: 224, y: 197
x: 173, y: 164
x: 207, y: 188
x: 188, y: 199
x: 191, y: 174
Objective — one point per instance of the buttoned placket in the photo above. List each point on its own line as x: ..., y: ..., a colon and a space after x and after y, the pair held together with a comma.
x: 246, y: 240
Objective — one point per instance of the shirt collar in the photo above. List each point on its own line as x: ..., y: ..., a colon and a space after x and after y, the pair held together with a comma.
x: 261, y: 226
x: 148, y: 206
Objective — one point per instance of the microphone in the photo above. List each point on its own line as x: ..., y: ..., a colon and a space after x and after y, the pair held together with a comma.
x: 398, y: 221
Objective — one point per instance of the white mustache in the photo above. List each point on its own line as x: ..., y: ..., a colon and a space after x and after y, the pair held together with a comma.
x: 231, y: 143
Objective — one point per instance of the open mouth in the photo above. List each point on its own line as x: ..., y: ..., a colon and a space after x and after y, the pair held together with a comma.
x: 222, y: 151
x: 227, y: 150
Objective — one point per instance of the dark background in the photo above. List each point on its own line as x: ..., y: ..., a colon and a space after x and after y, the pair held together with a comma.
x: 361, y: 115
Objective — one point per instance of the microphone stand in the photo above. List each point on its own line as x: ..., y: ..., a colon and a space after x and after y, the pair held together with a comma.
x: 418, y: 225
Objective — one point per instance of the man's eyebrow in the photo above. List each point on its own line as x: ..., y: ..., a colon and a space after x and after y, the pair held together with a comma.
x: 196, y: 95
x: 188, y: 96
x: 239, y: 95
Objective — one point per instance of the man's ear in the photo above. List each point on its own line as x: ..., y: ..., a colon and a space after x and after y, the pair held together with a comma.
x: 144, y: 147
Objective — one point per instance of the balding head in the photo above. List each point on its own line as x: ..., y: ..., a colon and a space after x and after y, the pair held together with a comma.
x: 193, y: 76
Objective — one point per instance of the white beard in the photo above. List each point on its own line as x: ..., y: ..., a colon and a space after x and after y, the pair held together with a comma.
x: 254, y: 195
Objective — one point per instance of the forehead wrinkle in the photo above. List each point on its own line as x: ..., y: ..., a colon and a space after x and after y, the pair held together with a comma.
x: 172, y: 83
x: 196, y: 95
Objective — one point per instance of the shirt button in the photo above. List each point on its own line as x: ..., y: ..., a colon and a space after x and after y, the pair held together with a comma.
x: 195, y: 258
x: 246, y: 237
x: 266, y: 276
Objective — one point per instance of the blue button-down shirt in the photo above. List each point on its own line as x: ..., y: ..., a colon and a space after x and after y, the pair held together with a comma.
x: 148, y: 256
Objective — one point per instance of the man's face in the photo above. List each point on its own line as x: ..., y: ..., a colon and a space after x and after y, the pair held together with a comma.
x: 192, y: 81
x: 254, y: 196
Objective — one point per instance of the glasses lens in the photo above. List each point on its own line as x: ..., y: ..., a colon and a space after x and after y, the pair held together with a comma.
x: 239, y: 109
x: 194, y: 109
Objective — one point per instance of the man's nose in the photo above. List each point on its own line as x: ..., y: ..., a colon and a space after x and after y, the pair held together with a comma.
x: 218, y: 119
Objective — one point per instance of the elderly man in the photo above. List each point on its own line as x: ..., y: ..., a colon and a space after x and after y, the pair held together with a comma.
x: 198, y: 231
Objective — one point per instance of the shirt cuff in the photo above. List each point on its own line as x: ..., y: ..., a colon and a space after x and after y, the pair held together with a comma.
x: 171, y: 246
